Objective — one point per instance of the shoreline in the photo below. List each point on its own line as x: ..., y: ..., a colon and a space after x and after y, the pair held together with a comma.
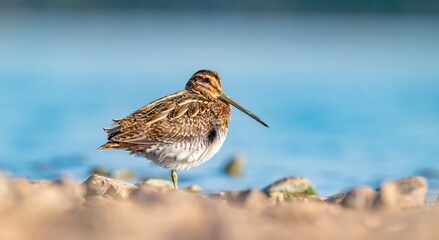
x: 106, y: 208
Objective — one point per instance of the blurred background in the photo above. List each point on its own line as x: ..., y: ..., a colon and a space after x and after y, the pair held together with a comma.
x: 350, y: 89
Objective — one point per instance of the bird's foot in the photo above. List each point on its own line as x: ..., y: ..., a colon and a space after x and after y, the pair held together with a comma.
x: 174, y: 177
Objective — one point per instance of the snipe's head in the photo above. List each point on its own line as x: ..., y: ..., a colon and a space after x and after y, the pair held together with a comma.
x: 208, y: 83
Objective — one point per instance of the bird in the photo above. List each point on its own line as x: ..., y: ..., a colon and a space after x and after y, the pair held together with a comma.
x: 181, y: 130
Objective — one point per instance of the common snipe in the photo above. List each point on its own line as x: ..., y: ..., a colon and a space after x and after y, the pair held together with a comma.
x: 181, y: 130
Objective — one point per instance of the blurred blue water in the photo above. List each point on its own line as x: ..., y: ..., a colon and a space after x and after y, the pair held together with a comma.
x: 351, y: 100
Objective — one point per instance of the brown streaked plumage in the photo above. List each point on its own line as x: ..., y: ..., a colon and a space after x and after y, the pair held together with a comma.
x: 181, y: 130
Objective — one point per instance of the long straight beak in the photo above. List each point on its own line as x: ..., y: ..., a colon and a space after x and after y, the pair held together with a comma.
x: 228, y: 100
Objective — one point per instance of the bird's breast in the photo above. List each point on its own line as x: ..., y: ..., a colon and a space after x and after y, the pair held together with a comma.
x: 187, y: 154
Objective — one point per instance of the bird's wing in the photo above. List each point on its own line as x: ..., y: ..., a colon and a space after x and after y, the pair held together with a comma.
x: 180, y: 116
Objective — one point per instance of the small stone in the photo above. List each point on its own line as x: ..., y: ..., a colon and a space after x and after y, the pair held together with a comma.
x: 289, y: 196
x: 252, y: 198
x: 220, y: 197
x: 403, y: 193
x: 162, y: 184
x: 292, y: 185
x: 336, y: 198
x: 277, y: 197
x: 193, y: 188
x: 229, y: 195
x: 388, y: 196
x: 359, y: 198
x: 309, y: 198
x: 235, y: 167
x: 101, y: 186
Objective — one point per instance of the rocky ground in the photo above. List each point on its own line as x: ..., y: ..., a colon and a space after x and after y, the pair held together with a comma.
x: 106, y: 208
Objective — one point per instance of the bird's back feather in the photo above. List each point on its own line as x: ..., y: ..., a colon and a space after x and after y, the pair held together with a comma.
x: 181, y: 116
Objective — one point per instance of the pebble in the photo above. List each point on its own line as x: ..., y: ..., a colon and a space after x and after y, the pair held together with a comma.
x: 336, y: 198
x: 235, y: 167
x: 277, y: 197
x: 403, y: 193
x: 225, y: 195
x: 252, y: 198
x: 292, y: 185
x: 359, y: 198
x: 162, y: 184
x: 193, y: 188
x: 101, y: 186
x: 310, y: 198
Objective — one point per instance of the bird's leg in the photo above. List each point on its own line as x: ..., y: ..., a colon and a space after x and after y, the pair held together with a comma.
x: 174, y: 177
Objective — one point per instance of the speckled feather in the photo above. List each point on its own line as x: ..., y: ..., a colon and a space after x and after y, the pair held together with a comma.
x: 175, y: 118
x: 189, y: 121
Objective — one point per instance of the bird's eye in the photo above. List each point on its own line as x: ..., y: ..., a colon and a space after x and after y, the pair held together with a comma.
x: 206, y: 80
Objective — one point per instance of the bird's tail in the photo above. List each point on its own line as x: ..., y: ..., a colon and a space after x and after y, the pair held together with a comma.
x: 109, y: 145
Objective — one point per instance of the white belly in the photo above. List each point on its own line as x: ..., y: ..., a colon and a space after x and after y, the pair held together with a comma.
x: 184, y: 155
